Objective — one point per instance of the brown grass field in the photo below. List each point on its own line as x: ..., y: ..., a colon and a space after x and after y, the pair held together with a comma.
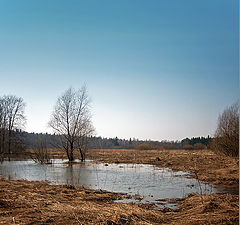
x: 210, y: 167
x: 24, y: 202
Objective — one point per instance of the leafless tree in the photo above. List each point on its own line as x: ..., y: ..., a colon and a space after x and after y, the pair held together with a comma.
x: 11, y: 118
x: 227, y: 132
x: 71, y: 119
x: 15, y: 116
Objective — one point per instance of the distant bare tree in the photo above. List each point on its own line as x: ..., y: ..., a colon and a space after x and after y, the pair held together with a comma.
x: 71, y: 119
x: 11, y: 118
x: 227, y: 132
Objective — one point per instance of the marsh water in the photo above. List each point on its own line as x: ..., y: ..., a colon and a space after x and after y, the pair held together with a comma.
x: 150, y: 183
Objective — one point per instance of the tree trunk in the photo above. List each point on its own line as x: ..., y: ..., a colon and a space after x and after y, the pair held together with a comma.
x: 82, y: 155
x: 70, y: 156
x: 9, y: 144
x: 2, y: 141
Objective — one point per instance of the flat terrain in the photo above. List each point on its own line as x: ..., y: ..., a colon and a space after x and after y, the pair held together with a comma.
x: 24, y: 202
x: 209, y: 167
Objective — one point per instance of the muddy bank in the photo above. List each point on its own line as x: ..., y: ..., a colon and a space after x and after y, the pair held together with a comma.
x: 24, y: 202
x: 209, y: 167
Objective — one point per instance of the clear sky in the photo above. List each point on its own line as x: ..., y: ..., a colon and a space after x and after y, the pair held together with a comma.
x: 155, y: 69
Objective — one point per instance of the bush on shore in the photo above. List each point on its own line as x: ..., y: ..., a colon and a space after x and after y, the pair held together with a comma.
x: 226, y: 139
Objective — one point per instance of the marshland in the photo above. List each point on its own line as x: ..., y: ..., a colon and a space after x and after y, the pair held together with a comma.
x: 119, y: 112
x: 122, y: 186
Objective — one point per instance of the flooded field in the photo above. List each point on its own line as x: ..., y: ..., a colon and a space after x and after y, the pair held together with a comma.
x: 138, y: 173
x: 146, y: 183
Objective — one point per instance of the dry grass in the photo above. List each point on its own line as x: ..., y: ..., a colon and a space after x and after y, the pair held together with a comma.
x: 210, y: 167
x: 24, y: 202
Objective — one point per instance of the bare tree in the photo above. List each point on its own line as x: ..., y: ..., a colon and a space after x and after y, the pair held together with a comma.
x: 227, y: 132
x: 11, y: 118
x: 15, y: 116
x: 71, y: 119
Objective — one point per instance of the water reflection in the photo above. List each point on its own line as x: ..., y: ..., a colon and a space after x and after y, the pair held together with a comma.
x: 150, y: 182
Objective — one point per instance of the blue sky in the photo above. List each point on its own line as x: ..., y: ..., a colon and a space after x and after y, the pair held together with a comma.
x: 154, y: 69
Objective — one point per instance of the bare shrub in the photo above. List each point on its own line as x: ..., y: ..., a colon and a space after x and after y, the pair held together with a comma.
x: 169, y: 146
x: 199, y: 146
x: 188, y: 147
x: 158, y: 147
x: 40, y: 152
x: 145, y: 146
x: 227, y: 132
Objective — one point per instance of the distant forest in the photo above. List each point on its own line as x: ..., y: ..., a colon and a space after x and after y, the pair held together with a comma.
x: 53, y: 141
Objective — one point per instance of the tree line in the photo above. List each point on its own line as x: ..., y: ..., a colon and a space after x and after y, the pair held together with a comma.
x: 98, y: 142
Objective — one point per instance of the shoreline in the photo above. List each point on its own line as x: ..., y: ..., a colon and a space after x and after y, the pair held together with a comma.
x: 28, y: 202
x: 210, y: 168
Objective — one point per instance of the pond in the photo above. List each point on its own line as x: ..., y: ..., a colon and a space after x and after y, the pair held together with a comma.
x: 150, y: 183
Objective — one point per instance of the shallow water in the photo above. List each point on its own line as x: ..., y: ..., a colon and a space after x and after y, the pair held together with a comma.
x: 150, y: 183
